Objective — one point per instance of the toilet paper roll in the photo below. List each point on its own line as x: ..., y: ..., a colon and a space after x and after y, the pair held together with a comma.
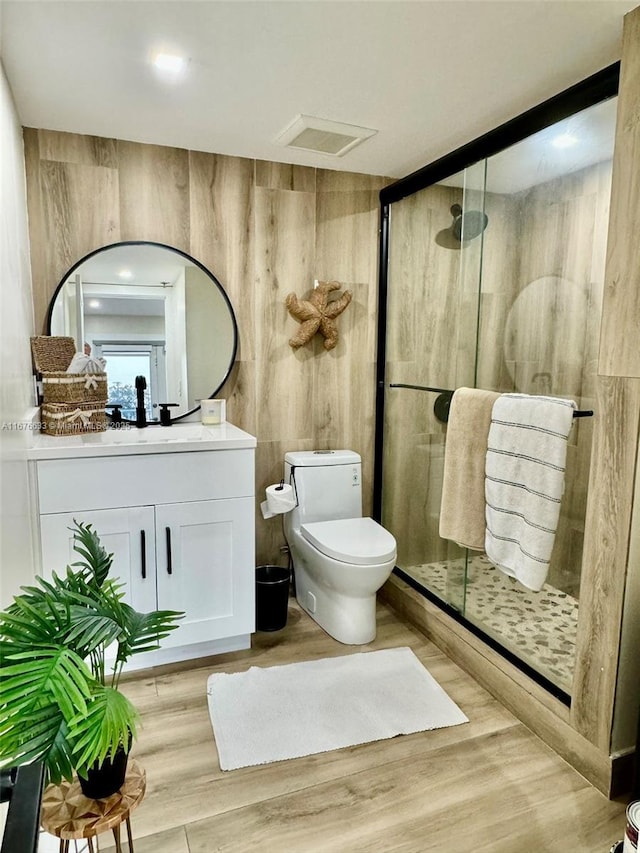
x: 280, y: 499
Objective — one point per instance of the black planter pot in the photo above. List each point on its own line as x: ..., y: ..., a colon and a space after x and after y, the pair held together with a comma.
x: 105, y: 779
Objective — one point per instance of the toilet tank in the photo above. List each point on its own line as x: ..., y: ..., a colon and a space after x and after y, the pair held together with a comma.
x: 327, y: 484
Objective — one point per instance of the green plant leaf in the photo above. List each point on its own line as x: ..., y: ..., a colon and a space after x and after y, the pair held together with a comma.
x: 143, y: 630
x: 87, y: 544
x: 40, y: 690
x: 54, y: 672
x: 90, y: 630
x: 109, y: 722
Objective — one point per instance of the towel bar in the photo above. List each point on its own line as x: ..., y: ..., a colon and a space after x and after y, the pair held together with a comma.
x: 443, y: 401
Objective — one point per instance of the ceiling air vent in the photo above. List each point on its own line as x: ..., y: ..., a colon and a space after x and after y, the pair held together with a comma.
x: 323, y: 136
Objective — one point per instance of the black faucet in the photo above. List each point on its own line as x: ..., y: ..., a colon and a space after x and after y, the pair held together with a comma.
x: 141, y: 412
x: 165, y: 414
x: 116, y: 415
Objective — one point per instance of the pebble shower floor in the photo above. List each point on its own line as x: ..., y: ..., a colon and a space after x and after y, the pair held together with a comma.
x: 539, y: 627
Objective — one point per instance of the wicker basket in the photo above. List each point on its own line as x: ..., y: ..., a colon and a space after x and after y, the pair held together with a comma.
x: 74, y: 418
x: 52, y: 353
x: 61, y: 387
x: 74, y: 392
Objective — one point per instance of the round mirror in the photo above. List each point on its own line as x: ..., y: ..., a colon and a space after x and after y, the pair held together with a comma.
x: 149, y: 310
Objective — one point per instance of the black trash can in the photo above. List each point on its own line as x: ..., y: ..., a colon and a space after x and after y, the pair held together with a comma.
x: 272, y: 597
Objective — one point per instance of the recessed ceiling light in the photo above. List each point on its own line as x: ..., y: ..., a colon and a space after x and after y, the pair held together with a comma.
x: 125, y: 274
x: 564, y: 140
x: 169, y: 62
x: 94, y: 303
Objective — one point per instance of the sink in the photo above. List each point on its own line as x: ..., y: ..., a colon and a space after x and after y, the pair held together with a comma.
x: 129, y: 439
x: 178, y: 432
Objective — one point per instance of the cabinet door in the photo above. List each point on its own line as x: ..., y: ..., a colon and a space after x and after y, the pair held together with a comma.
x: 129, y: 534
x: 205, y: 552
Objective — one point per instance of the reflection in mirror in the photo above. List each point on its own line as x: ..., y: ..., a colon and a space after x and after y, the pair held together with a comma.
x: 150, y: 311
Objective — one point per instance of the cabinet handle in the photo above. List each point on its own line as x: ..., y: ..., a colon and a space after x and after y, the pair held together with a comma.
x: 167, y: 531
x: 143, y: 553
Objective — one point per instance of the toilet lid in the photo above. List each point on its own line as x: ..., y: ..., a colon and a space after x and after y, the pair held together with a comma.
x: 351, y: 540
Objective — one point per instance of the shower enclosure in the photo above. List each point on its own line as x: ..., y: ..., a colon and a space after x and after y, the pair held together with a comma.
x: 492, y: 274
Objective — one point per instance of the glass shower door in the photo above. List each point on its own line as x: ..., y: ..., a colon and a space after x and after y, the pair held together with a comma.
x: 434, y: 276
x: 495, y: 281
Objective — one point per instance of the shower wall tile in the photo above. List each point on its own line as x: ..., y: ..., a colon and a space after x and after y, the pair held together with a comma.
x: 424, y: 322
x: 606, y: 545
x: 619, y: 351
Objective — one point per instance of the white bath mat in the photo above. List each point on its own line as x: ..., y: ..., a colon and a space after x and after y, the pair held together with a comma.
x: 265, y: 715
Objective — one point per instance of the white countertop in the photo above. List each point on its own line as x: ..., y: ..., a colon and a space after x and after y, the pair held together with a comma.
x: 129, y: 440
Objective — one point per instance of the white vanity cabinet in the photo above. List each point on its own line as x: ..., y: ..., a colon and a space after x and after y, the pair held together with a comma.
x: 180, y: 524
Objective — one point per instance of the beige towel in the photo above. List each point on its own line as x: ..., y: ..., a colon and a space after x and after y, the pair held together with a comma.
x: 462, y: 511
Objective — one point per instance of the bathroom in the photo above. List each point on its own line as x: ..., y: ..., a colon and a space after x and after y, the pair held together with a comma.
x: 284, y: 225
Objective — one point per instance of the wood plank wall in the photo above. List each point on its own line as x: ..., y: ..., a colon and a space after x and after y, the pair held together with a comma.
x: 264, y: 229
x: 611, y: 497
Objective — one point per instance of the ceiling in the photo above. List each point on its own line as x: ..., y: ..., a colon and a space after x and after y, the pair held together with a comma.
x: 427, y: 76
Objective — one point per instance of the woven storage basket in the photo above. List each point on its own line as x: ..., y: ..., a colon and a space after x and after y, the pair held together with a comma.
x: 52, y: 353
x: 74, y: 418
x: 61, y: 387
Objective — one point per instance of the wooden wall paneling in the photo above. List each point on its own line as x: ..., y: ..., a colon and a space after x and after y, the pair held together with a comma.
x: 285, y: 255
x: 78, y: 148
x: 222, y: 237
x: 285, y: 176
x: 240, y: 394
x: 347, y: 215
x: 86, y: 192
x: 619, y: 350
x: 80, y: 214
x: 39, y: 277
x: 627, y: 701
x: 221, y: 191
x: 154, y: 194
x: 606, y: 544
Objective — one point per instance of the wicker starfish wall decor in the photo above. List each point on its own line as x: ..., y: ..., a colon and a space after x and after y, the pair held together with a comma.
x: 318, y: 314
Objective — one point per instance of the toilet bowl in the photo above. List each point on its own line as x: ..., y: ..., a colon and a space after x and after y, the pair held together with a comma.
x: 340, y: 559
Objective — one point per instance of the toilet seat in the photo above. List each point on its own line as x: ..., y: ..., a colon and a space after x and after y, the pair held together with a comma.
x: 360, y: 541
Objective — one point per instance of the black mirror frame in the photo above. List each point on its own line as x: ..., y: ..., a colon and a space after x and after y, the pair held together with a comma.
x: 192, y: 260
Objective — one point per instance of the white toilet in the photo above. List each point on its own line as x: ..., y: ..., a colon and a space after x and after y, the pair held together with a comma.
x: 340, y: 559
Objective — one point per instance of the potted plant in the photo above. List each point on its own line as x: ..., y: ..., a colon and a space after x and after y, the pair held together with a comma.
x: 58, y: 702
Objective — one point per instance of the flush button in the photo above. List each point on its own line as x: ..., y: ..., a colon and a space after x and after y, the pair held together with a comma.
x: 355, y: 477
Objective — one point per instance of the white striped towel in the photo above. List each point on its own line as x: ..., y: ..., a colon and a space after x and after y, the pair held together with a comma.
x: 524, y: 483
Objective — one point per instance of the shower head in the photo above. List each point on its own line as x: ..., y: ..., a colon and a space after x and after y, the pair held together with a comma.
x: 468, y: 225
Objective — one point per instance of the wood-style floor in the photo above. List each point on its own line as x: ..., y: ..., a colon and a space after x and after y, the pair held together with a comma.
x: 490, y: 786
